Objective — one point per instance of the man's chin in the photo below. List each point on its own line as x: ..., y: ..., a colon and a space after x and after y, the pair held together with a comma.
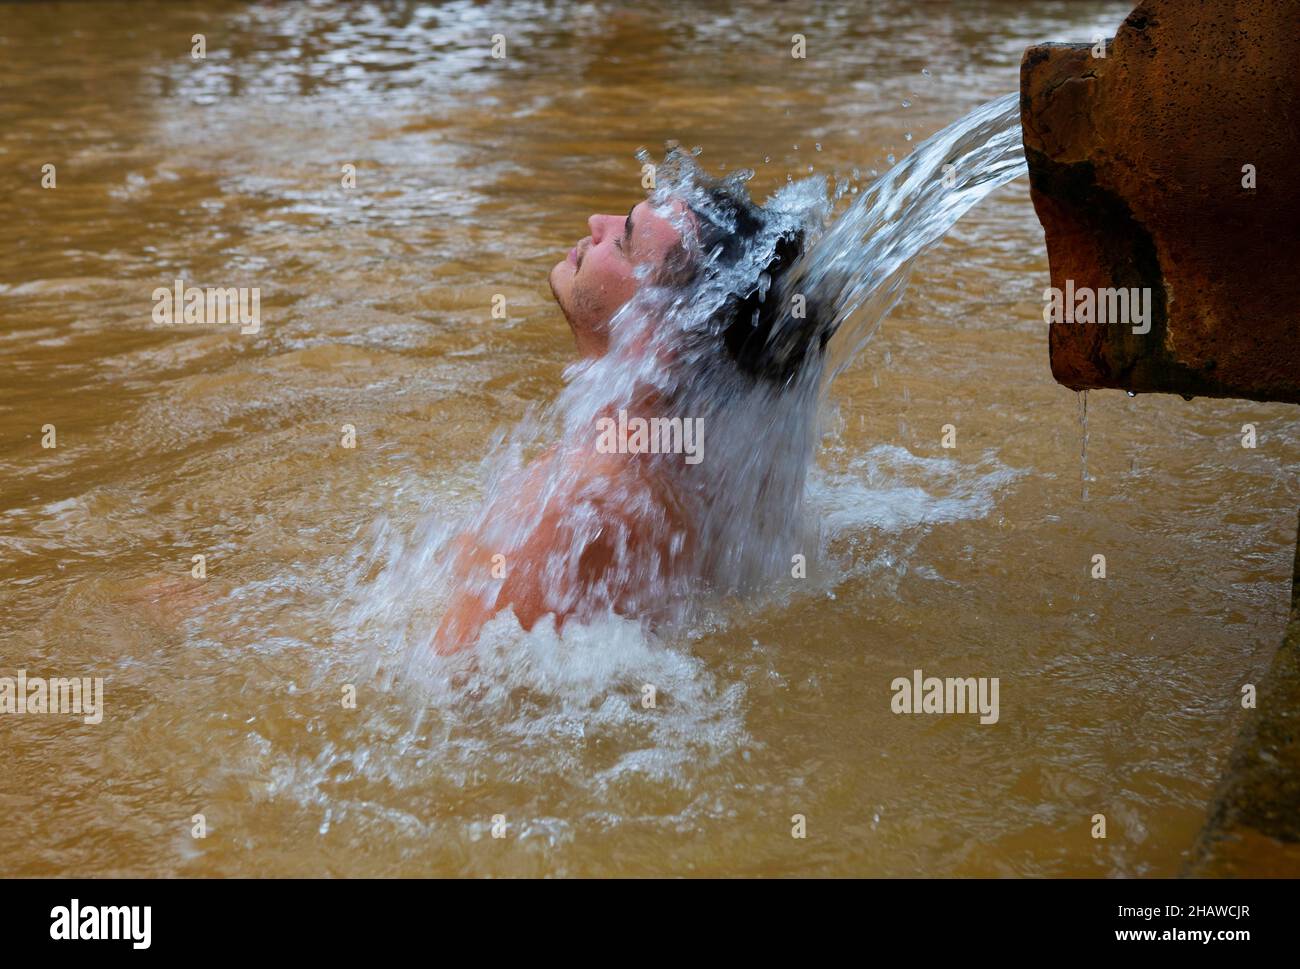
x: 561, y: 287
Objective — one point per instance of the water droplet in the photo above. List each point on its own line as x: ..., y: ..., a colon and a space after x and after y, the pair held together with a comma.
x: 818, y: 146
x: 906, y: 103
x: 767, y: 159
x: 1131, y: 393
x: 697, y: 150
x: 890, y: 158
x: 810, y: 168
x: 796, y: 147
x: 908, y: 136
x: 926, y: 72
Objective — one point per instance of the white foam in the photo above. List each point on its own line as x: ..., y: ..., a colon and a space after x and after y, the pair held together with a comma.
x: 890, y: 489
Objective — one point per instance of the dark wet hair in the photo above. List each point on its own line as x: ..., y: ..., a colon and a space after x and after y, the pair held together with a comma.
x: 758, y: 330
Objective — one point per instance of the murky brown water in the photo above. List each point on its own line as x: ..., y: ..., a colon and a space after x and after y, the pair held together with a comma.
x: 474, y: 176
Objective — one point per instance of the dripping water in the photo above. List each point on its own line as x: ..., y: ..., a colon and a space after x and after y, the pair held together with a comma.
x: 1083, y: 448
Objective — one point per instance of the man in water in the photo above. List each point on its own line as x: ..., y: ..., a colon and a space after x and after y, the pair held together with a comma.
x: 582, y: 531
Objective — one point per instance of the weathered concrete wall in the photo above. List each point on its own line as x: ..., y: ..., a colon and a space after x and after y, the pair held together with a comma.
x: 1136, y: 171
x: 1254, y: 824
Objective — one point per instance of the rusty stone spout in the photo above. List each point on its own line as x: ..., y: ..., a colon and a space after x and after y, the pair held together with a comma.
x: 1166, y: 161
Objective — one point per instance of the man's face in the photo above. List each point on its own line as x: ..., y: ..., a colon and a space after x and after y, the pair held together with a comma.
x: 603, y: 270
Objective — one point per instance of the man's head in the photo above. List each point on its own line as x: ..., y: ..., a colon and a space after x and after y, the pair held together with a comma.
x: 603, y: 270
x: 678, y: 244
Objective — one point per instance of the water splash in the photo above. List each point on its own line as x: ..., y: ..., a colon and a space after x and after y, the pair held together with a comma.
x: 683, y: 541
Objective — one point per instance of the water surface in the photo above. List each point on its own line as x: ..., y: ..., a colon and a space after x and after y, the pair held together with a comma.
x: 473, y: 177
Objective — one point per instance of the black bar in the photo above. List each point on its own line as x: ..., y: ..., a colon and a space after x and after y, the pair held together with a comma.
x: 656, y: 918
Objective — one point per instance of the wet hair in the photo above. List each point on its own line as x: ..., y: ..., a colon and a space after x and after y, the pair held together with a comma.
x: 758, y: 331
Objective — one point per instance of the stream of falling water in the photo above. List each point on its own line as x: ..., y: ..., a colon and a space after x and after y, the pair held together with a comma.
x: 863, y: 261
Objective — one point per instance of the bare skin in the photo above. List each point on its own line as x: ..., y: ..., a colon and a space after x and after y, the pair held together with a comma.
x: 571, y: 565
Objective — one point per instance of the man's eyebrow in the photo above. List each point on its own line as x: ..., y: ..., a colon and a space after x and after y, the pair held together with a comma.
x: 627, y: 228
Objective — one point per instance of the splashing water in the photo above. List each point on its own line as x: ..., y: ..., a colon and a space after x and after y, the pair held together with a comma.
x: 862, y: 263
x: 685, y: 539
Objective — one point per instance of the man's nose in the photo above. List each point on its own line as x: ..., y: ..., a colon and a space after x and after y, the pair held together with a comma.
x: 600, y: 225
